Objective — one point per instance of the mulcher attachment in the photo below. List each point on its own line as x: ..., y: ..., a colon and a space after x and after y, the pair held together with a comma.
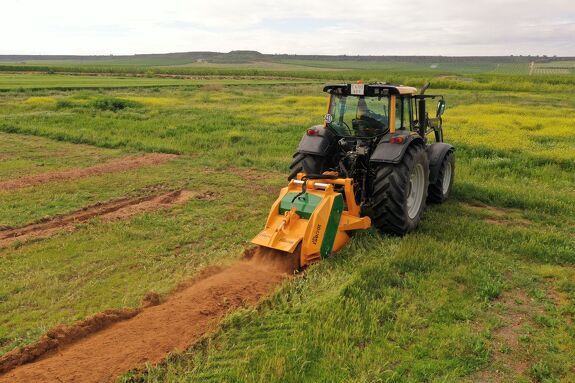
x: 312, y: 217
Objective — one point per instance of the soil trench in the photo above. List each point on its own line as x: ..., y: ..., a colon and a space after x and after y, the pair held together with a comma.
x: 126, y: 163
x: 187, y: 316
x: 107, y: 211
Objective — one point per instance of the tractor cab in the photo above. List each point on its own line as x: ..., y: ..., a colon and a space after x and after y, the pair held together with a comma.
x: 369, y: 110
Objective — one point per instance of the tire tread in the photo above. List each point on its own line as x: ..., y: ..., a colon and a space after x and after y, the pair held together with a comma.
x: 389, y: 187
x: 435, y: 192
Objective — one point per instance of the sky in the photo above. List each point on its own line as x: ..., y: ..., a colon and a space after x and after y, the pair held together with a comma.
x: 352, y: 27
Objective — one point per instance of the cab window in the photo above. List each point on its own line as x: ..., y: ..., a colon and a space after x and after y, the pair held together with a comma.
x: 402, y: 113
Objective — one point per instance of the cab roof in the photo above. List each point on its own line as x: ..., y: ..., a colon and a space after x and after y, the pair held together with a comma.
x: 369, y: 89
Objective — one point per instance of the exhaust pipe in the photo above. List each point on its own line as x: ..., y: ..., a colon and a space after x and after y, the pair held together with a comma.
x: 424, y: 88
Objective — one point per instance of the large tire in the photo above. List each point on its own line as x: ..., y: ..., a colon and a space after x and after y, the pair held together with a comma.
x: 306, y: 163
x: 400, y: 192
x: 440, y: 190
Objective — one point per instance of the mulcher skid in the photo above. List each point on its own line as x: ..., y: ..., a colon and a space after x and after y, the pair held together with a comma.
x: 312, y: 217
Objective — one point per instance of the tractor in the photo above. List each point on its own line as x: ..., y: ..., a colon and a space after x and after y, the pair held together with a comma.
x: 377, y: 159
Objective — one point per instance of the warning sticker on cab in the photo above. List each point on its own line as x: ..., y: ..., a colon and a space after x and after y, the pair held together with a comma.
x: 357, y: 89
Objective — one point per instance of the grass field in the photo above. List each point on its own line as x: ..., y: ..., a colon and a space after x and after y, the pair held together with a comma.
x: 38, y: 81
x: 560, y: 67
x: 483, y: 291
x: 398, y: 65
x: 256, y: 60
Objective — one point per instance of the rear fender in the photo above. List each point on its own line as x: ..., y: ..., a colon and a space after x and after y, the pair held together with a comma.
x: 436, y: 153
x: 320, y: 144
x: 392, y: 153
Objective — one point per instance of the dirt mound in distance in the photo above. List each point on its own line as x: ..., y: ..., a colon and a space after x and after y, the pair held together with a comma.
x: 112, y: 210
x: 189, y: 314
x: 121, y: 164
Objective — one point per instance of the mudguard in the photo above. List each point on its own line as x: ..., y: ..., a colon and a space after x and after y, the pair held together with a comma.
x: 436, y: 153
x: 320, y: 144
x: 391, y: 152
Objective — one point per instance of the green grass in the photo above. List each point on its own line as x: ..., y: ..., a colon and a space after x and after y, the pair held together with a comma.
x: 10, y: 81
x: 413, y: 309
x: 236, y: 125
x: 439, y: 66
x: 34, y: 203
x: 101, y: 265
x: 433, y: 306
x: 254, y: 60
x: 32, y: 155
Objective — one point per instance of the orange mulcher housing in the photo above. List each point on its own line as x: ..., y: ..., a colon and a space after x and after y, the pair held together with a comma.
x: 311, y: 217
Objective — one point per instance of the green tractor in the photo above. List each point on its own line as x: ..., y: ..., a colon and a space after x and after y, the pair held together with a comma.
x: 382, y: 137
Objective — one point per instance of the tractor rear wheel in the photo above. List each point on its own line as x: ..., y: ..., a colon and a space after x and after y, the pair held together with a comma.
x: 440, y: 190
x: 400, y: 191
x: 306, y: 163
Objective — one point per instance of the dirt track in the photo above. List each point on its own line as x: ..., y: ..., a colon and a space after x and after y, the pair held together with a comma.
x: 147, y: 337
x: 116, y: 165
x: 107, y: 211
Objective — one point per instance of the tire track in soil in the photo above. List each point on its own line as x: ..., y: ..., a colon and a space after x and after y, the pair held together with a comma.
x: 112, y: 210
x: 187, y: 316
x: 120, y: 164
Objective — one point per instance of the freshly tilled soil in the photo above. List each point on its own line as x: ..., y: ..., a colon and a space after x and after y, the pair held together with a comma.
x: 121, y: 164
x: 112, y: 210
x: 63, y: 335
x: 188, y: 315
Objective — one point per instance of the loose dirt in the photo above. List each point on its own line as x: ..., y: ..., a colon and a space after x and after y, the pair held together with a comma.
x: 498, y: 216
x: 121, y: 164
x: 188, y: 315
x: 511, y: 360
x: 519, y: 312
x: 62, y: 335
x: 112, y: 210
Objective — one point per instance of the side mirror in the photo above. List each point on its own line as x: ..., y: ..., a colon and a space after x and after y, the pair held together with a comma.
x: 440, y: 108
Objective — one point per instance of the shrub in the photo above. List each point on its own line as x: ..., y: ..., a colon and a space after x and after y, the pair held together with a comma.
x: 113, y: 104
x: 64, y: 104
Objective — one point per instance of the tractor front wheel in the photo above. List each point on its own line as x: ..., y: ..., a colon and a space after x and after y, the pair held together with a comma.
x: 440, y: 190
x: 400, y: 192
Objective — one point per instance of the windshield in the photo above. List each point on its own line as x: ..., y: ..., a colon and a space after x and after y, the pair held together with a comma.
x: 358, y: 116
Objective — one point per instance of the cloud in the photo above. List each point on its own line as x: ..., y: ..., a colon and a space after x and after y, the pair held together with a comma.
x: 443, y: 27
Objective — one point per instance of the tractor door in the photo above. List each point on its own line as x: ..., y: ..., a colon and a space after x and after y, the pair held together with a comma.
x: 403, y: 113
